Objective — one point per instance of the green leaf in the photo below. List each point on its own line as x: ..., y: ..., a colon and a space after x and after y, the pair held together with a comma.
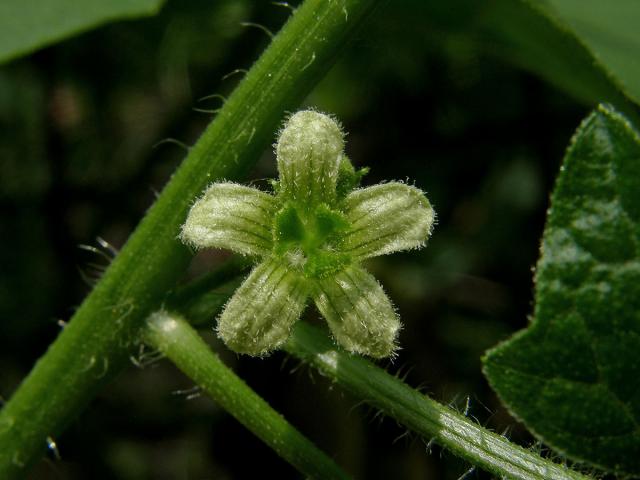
x: 28, y: 25
x: 611, y: 31
x: 573, y: 377
x: 529, y: 34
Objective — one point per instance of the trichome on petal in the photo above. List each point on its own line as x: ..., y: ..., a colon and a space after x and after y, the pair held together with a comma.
x: 308, y: 238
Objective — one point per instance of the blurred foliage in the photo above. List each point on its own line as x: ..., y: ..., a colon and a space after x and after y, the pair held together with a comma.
x: 27, y: 25
x: 427, y: 92
x: 611, y: 33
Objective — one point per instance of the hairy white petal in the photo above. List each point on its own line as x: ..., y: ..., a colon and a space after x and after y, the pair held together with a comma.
x: 309, y: 151
x: 386, y: 218
x: 259, y: 316
x: 358, y: 311
x: 231, y: 216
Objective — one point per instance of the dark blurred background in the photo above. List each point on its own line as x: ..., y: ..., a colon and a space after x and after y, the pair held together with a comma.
x: 424, y: 96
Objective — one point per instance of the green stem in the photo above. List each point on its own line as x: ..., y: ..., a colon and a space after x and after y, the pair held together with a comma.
x: 174, y: 337
x: 395, y: 398
x: 421, y: 414
x: 96, y: 343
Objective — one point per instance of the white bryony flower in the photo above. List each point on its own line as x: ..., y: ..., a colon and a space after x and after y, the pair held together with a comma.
x: 309, y: 238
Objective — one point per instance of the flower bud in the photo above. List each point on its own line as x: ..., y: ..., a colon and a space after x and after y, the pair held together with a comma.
x: 309, y: 151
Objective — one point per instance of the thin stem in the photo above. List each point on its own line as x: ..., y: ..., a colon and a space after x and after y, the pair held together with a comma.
x: 174, y: 337
x: 96, y: 343
x: 421, y: 414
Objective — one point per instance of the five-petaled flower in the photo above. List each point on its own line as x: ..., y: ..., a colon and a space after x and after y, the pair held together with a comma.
x: 309, y: 239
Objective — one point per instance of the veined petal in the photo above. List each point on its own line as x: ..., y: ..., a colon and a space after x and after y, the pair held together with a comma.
x: 358, y: 311
x: 231, y: 216
x: 386, y: 218
x: 259, y: 316
x: 309, y: 152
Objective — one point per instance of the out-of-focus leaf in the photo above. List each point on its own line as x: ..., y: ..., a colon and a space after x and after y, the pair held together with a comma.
x: 529, y: 35
x: 611, y: 30
x: 24, y: 171
x: 27, y: 25
x: 532, y: 35
x: 573, y: 376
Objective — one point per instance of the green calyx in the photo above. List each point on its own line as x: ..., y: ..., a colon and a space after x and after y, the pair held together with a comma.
x: 307, y: 239
x: 348, y: 177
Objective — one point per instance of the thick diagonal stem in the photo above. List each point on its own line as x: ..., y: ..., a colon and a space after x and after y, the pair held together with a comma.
x: 97, y: 341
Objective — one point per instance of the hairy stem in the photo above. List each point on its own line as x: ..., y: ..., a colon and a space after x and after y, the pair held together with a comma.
x: 174, y: 337
x: 421, y: 414
x: 369, y: 383
x: 96, y: 343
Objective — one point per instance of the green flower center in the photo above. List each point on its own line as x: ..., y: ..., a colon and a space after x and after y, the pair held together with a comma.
x: 309, y: 240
